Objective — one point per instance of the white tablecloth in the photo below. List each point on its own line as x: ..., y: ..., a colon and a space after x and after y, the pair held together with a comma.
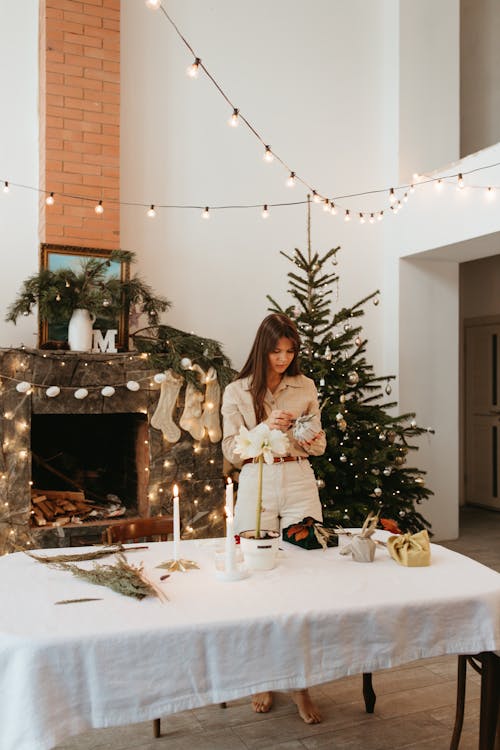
x: 316, y: 617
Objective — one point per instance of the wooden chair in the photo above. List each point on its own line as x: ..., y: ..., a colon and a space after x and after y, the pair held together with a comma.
x: 135, y: 529
x: 487, y: 664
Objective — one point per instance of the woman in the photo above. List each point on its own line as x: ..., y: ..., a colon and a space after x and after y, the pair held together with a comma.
x: 271, y: 389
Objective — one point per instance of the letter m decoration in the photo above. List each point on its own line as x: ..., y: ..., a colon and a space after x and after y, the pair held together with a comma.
x: 106, y: 343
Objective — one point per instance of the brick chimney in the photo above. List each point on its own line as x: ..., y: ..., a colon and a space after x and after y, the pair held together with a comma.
x: 80, y: 121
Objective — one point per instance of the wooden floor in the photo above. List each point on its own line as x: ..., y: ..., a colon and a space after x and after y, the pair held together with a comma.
x: 415, y: 704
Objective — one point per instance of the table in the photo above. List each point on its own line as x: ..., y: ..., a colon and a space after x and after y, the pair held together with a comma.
x: 65, y: 669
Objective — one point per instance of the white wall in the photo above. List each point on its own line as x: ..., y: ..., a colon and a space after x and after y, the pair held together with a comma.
x: 18, y: 159
x: 317, y: 81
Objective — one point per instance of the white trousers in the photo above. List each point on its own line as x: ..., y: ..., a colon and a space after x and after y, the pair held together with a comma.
x: 289, y: 494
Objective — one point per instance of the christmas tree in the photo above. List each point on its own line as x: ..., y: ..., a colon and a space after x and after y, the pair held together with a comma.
x: 364, y: 467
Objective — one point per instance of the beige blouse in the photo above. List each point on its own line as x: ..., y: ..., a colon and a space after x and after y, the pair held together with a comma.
x: 296, y: 394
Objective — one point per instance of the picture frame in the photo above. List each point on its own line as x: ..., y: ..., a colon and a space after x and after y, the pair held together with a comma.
x: 54, y: 257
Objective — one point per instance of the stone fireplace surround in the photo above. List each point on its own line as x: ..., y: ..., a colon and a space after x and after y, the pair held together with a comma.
x: 196, y: 467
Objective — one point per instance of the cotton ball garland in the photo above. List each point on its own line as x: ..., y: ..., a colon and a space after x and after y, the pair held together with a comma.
x: 160, y: 377
x: 108, y: 391
x: 81, y: 393
x: 53, y: 391
x: 23, y: 386
x: 133, y: 385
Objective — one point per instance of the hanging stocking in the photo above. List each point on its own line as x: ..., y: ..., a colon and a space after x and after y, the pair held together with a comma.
x: 162, y: 418
x: 191, y: 416
x: 211, y: 418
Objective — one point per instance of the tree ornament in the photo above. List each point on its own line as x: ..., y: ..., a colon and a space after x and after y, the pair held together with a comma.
x: 342, y: 424
x: 322, y: 382
x: 358, y: 341
x: 342, y: 398
x: 107, y: 391
x: 376, y: 472
x: 53, y: 391
x: 160, y: 377
x: 328, y: 353
x: 343, y: 458
x: 402, y: 514
x: 413, y: 424
x: 339, y: 416
x: 391, y: 436
x: 347, y: 327
x: 419, y: 480
x: 23, y: 386
x: 381, y: 436
x: 353, y: 377
x: 377, y: 491
x: 320, y: 483
x: 58, y: 297
x: 133, y: 385
x: 106, y: 302
x: 376, y: 300
x: 387, y: 471
x: 388, y: 389
x: 186, y: 363
x: 399, y: 460
x: 81, y: 393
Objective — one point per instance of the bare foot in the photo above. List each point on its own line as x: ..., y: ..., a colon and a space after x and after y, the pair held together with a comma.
x: 307, y: 710
x: 262, y: 702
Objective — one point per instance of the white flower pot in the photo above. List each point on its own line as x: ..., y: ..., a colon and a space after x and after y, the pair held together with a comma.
x: 260, y: 554
x: 80, y: 331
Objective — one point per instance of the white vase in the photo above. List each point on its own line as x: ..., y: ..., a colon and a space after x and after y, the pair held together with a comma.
x: 363, y: 550
x: 260, y: 554
x: 80, y: 331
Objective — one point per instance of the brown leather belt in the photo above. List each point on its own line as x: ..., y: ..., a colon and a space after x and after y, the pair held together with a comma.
x: 277, y: 459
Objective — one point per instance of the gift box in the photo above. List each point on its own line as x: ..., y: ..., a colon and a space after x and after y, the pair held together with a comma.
x: 310, y: 534
x: 412, y: 550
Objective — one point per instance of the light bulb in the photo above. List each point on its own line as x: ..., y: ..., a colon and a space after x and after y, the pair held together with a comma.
x: 380, y: 216
x: 347, y: 215
x: 49, y: 200
x: 234, y: 120
x: 151, y: 212
x: 461, y: 182
x: 490, y: 193
x: 392, y: 197
x: 194, y: 69
x: 405, y: 197
x: 371, y: 219
x: 439, y: 184
x: 265, y: 211
x: 361, y: 219
x: 334, y: 208
x: 316, y: 197
x: 206, y: 213
x: 291, y: 180
x: 99, y: 209
x: 412, y: 188
x: 153, y: 4
x: 326, y: 205
x: 6, y: 187
x: 268, y: 154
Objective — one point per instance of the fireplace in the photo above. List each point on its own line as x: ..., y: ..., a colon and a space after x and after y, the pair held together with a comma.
x: 98, y: 446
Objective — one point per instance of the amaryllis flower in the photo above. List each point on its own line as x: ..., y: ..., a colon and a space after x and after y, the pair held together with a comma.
x: 261, y: 441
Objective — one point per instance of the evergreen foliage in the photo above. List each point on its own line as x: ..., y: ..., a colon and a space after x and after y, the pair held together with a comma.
x: 364, y: 467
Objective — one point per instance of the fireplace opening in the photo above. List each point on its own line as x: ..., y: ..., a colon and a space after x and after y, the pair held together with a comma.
x: 88, y: 466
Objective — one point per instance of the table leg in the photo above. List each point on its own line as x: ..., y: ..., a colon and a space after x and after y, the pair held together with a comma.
x: 490, y: 700
x: 459, y: 713
x: 368, y: 692
x: 156, y: 728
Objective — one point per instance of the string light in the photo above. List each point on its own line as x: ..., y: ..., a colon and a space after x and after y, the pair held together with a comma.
x: 361, y: 219
x: 347, y: 215
x: 265, y: 211
x: 6, y: 186
x: 333, y: 209
x: 151, y: 211
x: 392, y: 196
x: 439, y: 184
x: 490, y: 193
x: 206, y: 213
x: 49, y: 200
x: 326, y: 206
x: 460, y: 181
x: 291, y: 180
x: 316, y: 198
x: 234, y: 120
x: 194, y: 69
x: 268, y: 154
x: 99, y: 209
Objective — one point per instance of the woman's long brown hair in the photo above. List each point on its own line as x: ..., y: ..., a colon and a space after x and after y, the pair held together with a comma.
x: 270, y: 331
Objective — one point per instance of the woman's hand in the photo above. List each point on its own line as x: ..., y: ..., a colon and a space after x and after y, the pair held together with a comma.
x: 305, y: 444
x: 280, y: 420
